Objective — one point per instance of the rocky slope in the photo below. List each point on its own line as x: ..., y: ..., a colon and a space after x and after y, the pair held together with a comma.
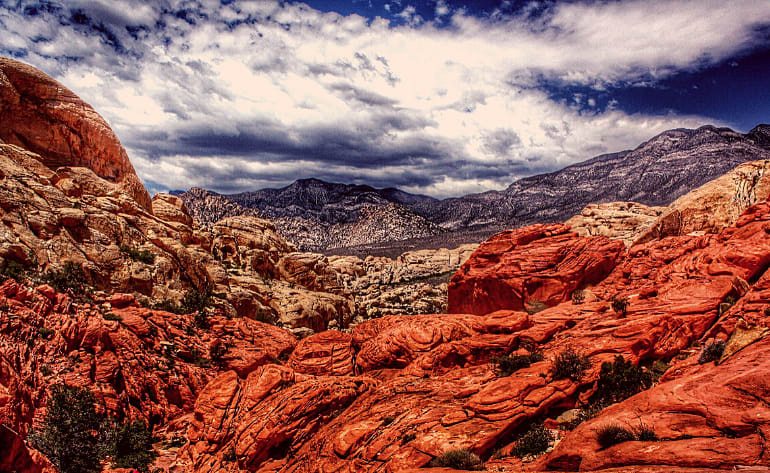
x: 654, y: 174
x: 624, y: 221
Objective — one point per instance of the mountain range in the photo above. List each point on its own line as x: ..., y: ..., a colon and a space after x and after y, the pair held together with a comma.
x: 321, y: 216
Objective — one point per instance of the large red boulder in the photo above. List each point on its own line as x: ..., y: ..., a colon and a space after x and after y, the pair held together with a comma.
x: 539, y: 263
x: 42, y: 116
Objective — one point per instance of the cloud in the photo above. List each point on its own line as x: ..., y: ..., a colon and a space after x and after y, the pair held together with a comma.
x: 242, y: 95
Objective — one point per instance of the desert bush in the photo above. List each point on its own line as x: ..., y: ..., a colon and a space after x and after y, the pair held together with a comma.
x: 217, y: 350
x: 570, y: 364
x: 578, y: 296
x: 130, y: 445
x: 534, y: 442
x: 712, y: 352
x: 143, y: 256
x: 45, y: 332
x: 645, y: 433
x: 507, y: 365
x: 45, y: 370
x: 112, y: 316
x: 12, y: 270
x: 387, y: 420
x: 68, y: 435
x: 70, y: 278
x: 621, y: 380
x: 620, y: 305
x: 613, y: 434
x: 459, y: 460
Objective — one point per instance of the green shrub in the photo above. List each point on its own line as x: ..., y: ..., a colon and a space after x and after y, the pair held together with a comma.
x: 588, y: 412
x: 533, y: 307
x: 229, y: 455
x: 570, y: 364
x: 13, y: 270
x: 620, y: 305
x: 621, y: 380
x: 507, y: 365
x: 70, y: 278
x: 130, y: 446
x: 534, y: 442
x: 459, y: 460
x: 45, y: 332
x: 387, y: 420
x: 645, y: 433
x: 578, y: 296
x: 45, y: 370
x: 143, y: 256
x: 195, y: 300
x: 408, y: 438
x: 712, y: 352
x: 613, y: 434
x: 217, y: 350
x: 112, y: 316
x: 68, y: 435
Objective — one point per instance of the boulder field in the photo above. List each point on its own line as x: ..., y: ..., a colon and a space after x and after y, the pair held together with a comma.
x: 399, y: 391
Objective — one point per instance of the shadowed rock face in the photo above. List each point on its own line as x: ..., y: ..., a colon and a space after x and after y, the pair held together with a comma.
x: 43, y: 116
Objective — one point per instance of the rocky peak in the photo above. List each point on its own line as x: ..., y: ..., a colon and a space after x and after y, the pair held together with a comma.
x: 46, y: 118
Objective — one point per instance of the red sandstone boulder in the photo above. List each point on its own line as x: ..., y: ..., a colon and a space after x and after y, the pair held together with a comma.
x: 43, y: 116
x: 543, y: 263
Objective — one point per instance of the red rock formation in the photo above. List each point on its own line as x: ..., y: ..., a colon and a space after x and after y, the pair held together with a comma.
x: 41, y: 115
x: 544, y: 263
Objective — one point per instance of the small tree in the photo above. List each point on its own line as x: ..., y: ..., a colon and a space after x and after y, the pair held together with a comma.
x: 570, y: 364
x: 620, y: 305
x: 130, y: 446
x: 69, y: 434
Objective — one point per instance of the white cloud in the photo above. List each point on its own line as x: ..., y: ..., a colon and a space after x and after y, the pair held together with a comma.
x: 435, y: 110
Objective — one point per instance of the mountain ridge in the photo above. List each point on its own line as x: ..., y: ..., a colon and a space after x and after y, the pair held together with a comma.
x: 654, y: 173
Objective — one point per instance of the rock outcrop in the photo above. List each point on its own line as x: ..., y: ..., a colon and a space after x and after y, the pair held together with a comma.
x: 409, y: 388
x: 44, y: 117
x: 715, y: 205
x: 624, y: 221
x: 539, y: 264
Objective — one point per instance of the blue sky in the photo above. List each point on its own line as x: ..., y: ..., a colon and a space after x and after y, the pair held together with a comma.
x: 438, y: 97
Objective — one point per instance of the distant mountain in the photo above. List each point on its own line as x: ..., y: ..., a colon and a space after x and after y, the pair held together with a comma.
x: 317, y: 215
x: 656, y: 173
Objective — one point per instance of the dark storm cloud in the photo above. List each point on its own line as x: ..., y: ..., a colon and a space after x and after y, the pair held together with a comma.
x: 235, y: 95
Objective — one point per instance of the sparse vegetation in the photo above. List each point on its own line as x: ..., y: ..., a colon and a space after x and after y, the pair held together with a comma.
x: 45, y: 332
x: 112, y: 316
x: 570, y: 364
x: 533, y: 307
x: 387, y: 420
x: 68, y: 435
x: 534, y: 442
x: 507, y: 365
x: 45, y: 370
x: 613, y: 434
x: 621, y: 379
x: 726, y: 304
x: 408, y: 438
x: 712, y: 352
x: 459, y: 460
x: 620, y: 305
x: 578, y: 296
x: 217, y: 350
x: 229, y: 455
x: 71, y: 278
x: 12, y: 270
x: 588, y: 412
x: 143, y: 256
x: 130, y: 446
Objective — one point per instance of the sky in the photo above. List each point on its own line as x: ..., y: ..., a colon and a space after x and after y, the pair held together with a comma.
x: 437, y: 97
